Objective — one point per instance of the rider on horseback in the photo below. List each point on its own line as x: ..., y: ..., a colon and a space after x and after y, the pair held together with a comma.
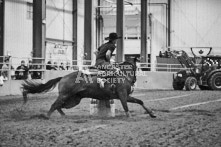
x: 104, y: 54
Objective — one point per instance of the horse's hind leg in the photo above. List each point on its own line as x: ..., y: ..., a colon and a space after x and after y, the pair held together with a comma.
x: 134, y: 100
x: 71, y: 102
x: 61, y: 112
x: 64, y: 102
x: 57, y: 105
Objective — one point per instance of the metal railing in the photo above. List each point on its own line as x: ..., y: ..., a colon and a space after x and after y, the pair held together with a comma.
x: 159, y: 67
x: 40, y: 64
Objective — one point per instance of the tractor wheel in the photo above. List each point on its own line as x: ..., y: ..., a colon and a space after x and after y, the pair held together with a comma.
x: 190, y: 83
x: 203, y: 87
x: 177, y: 85
x: 215, y: 81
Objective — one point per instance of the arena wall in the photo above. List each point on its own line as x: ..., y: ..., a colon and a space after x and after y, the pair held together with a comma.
x: 145, y: 80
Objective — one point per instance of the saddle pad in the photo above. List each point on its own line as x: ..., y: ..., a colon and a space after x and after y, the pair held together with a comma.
x: 94, y: 72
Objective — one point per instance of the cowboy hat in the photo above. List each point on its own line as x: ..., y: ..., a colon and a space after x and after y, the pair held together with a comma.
x: 113, y: 36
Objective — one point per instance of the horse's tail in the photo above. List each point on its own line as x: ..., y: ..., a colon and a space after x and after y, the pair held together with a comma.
x: 34, y: 87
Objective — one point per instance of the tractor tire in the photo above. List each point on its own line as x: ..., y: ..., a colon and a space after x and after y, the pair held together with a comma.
x: 177, y: 86
x: 201, y: 87
x: 215, y: 81
x: 190, y: 83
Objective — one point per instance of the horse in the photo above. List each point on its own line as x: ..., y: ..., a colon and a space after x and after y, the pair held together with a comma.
x: 78, y: 85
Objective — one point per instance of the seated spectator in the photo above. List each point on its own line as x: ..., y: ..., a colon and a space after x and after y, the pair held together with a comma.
x: 49, y: 66
x: 36, y: 74
x: 61, y: 67
x: 55, y: 66
x: 166, y: 54
x: 1, y: 80
x: 68, y: 67
x: 30, y: 67
x: 22, y: 71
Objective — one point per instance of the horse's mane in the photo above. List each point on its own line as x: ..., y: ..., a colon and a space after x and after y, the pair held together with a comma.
x: 133, y: 68
x: 130, y: 63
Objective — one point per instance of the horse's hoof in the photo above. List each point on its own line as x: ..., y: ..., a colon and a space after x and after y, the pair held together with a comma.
x: 152, y: 115
x: 128, y: 114
x: 63, y: 116
x: 40, y: 116
x: 44, y: 117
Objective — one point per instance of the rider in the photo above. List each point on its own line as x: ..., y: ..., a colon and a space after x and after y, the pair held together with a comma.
x: 104, y: 55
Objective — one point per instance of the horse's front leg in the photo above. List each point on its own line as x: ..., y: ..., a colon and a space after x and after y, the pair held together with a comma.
x: 134, y: 100
x: 122, y: 94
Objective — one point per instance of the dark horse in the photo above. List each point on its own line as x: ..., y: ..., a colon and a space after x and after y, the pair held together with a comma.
x: 77, y: 85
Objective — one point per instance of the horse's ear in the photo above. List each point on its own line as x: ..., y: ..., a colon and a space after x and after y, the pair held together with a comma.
x: 136, y: 59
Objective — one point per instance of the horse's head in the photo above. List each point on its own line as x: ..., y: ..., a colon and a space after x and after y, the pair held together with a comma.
x: 129, y: 69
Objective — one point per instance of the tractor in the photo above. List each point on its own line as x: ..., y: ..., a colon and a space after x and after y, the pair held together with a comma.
x: 206, y: 74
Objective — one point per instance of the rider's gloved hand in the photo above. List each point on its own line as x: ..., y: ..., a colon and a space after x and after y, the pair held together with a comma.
x: 117, y: 70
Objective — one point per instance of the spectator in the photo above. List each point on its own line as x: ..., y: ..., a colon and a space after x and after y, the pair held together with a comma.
x: 22, y: 71
x: 61, y: 67
x: 166, y: 54
x: 1, y: 80
x: 55, y: 66
x: 36, y: 74
x: 49, y: 66
x: 160, y: 54
x: 68, y: 67
x: 30, y: 67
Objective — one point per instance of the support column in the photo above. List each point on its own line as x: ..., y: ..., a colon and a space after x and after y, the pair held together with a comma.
x: 39, y: 29
x: 2, y: 15
x: 75, y: 22
x: 143, y: 54
x: 99, y: 26
x: 120, y: 31
x: 88, y: 26
x: 169, y: 22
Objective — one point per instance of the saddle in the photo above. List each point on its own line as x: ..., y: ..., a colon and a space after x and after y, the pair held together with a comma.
x: 93, y: 71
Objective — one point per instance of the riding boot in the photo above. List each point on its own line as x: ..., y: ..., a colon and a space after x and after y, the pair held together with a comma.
x: 101, y: 82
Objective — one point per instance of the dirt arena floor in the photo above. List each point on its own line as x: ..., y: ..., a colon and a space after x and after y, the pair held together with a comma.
x: 183, y: 119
